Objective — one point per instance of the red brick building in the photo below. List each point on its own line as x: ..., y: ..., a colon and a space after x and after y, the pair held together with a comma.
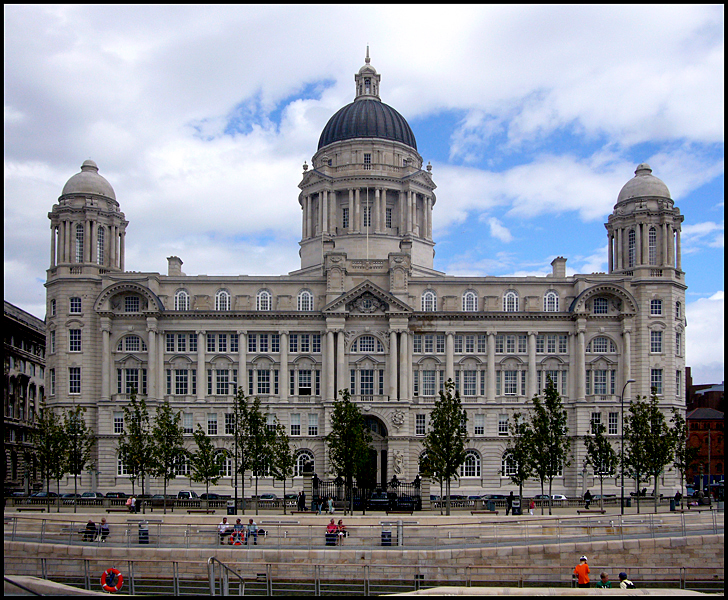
x: 706, y: 432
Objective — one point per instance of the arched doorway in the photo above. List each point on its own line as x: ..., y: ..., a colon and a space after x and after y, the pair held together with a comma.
x: 376, y: 471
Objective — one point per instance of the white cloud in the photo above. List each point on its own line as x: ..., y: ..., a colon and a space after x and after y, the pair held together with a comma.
x: 704, y: 339
x: 498, y: 231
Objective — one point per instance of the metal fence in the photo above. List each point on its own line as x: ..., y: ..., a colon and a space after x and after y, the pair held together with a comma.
x: 402, y: 531
x: 212, y: 577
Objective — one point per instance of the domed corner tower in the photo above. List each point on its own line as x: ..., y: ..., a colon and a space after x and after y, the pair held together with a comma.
x: 87, y: 228
x: 366, y: 194
x: 643, y: 233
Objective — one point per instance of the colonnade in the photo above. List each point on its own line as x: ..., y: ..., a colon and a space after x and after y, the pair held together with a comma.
x: 413, y: 212
x: 65, y: 239
x: 667, y: 250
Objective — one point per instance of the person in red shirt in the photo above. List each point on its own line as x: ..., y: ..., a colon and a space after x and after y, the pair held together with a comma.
x: 582, y: 572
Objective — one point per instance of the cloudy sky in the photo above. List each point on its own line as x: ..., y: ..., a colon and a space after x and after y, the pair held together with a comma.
x: 532, y: 117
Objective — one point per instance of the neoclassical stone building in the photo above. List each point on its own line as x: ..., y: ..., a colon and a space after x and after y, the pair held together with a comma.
x: 368, y: 312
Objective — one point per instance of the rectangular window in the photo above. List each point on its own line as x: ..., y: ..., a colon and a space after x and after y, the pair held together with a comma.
x: 131, y: 304
x: 678, y: 383
x: 428, y: 383
x: 317, y: 382
x: 52, y: 376
x: 305, y: 343
x: 550, y: 344
x: 293, y: 343
x: 252, y: 343
x: 53, y: 308
x: 381, y: 382
x: 211, y: 342
x: 419, y: 424
x: 312, y: 424
x: 388, y: 217
x: 234, y: 342
x: 367, y: 161
x: 417, y: 344
x: 502, y: 424
x: 656, y: 341
x: 540, y: 345
x: 193, y: 342
x: 469, y: 344
x: 263, y: 382
x: 304, y: 382
x: 510, y: 383
x: 600, y: 382
x: 187, y: 423
x: 52, y: 341
x: 118, y: 422
x: 182, y: 342
x: 563, y: 339
x: 523, y: 383
x: 482, y: 344
x: 74, y: 340
x: 510, y: 344
x: 367, y: 382
x: 211, y: 423
x: 522, y: 344
x: 75, y: 305
x: 270, y: 422
x: 229, y: 423
x: 170, y: 342
x: 295, y: 424
x: 132, y: 380
x: 275, y: 343
x: 458, y: 344
x: 678, y: 344
x: 223, y: 382
x: 596, y: 420
x: 263, y: 342
x: 194, y: 382
x: 656, y: 308
x: 479, y: 428
x: 367, y: 216
x: 222, y: 342
x: 469, y: 383
x: 429, y: 343
x: 181, y: 387
x: 345, y: 217
x: 316, y: 343
x: 613, y: 425
x: 656, y: 381
x: 74, y: 380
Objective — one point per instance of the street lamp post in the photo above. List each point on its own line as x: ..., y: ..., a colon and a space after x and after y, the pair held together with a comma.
x: 235, y: 435
x: 621, y: 402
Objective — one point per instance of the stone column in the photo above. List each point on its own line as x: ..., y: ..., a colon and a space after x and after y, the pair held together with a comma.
x: 122, y: 250
x: 340, y: 361
x: 580, y: 361
x: 392, y: 364
x: 329, y: 363
x: 532, y: 365
x: 356, y: 216
x: 678, y: 252
x: 637, y: 245
x: 619, y: 251
x: 449, y: 356
x: 404, y: 368
x: 383, y: 209
x: 491, y: 367
x: 377, y: 210
x: 283, y: 382
x: 112, y: 246
x: 105, y: 358
x: 627, y: 352
x: 161, y: 388
x: 324, y: 211
x: 351, y: 209
x: 665, y: 262
x: 152, y: 357
x: 610, y: 249
x: 53, y: 246
x: 243, y: 361
x: 201, y: 381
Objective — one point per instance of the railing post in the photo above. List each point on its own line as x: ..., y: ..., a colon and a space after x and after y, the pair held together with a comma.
x: 366, y: 580
x: 86, y: 575
x: 211, y: 575
x: 132, y: 587
x: 224, y: 582
x: 42, y: 530
x: 269, y: 578
x: 43, y: 568
x: 175, y: 569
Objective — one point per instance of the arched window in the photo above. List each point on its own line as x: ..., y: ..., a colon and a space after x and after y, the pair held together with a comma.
x: 222, y: 300
x: 470, y: 301
x: 678, y: 310
x: 508, y: 465
x: 652, y: 245
x: 631, y: 245
x: 551, y: 302
x: 305, y: 301
x: 367, y: 344
x: 79, y: 243
x: 100, y: 246
x: 510, y: 302
x: 429, y: 301
x: 131, y: 343
x: 601, y: 306
x: 303, y: 457
x: 601, y: 345
x: 471, y: 465
x: 181, y: 300
x: 263, y: 300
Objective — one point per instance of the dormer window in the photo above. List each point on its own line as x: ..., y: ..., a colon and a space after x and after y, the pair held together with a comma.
x: 367, y: 161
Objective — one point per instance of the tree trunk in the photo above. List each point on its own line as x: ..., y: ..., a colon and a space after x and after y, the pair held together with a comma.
x: 601, y: 493
x: 75, y: 491
x: 164, y: 500
x: 447, y: 506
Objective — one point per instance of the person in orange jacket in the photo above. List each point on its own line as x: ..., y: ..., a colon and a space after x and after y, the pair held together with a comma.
x: 582, y: 572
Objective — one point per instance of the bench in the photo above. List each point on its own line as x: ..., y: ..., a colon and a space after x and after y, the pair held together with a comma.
x: 31, y: 508
x: 483, y: 512
x: 590, y: 510
x: 117, y: 509
x: 399, y: 512
x: 201, y: 511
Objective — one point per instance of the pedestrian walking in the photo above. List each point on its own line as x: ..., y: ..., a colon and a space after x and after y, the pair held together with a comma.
x: 509, y: 502
x: 582, y: 572
x: 531, y: 506
x: 587, y: 499
x: 331, y: 506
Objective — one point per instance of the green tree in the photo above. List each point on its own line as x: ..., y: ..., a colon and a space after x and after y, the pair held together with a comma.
x: 520, y: 451
x: 445, y: 441
x: 684, y: 454
x: 648, y: 441
x: 205, y: 460
x: 601, y: 456
x: 135, y: 445
x: 348, y: 442
x: 50, y: 448
x: 255, y: 440
x: 282, y: 458
x: 169, y: 449
x: 80, y: 441
x: 550, y: 442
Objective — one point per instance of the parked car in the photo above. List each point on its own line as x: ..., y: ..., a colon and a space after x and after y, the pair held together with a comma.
x: 291, y: 497
x: 117, y: 495
x: 267, y: 497
x: 210, y: 496
x: 70, y: 495
x: 92, y: 495
x: 44, y: 495
x: 541, y: 497
x: 379, y: 501
x: 494, y: 497
x: 186, y: 495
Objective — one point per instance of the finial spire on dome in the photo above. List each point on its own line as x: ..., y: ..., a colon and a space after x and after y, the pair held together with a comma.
x: 367, y: 60
x: 367, y: 81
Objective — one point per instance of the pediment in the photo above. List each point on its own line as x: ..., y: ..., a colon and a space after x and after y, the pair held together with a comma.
x: 367, y: 299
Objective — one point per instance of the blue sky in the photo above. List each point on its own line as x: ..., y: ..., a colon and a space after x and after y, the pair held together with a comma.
x: 533, y: 118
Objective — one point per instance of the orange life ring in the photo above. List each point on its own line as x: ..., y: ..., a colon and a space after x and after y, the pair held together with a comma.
x: 112, y: 580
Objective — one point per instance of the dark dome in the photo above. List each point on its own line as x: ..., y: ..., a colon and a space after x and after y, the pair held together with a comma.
x: 367, y: 119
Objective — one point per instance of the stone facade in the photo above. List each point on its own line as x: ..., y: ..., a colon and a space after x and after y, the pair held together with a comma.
x: 368, y: 312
